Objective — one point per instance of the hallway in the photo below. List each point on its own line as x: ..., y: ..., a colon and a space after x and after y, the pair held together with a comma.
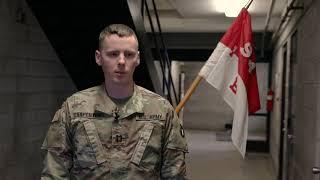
x: 38, y: 71
x: 209, y: 159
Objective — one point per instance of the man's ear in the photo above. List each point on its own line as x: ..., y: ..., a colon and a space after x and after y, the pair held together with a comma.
x: 98, y: 57
x: 138, y: 60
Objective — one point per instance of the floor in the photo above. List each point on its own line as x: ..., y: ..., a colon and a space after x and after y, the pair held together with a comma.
x: 209, y: 159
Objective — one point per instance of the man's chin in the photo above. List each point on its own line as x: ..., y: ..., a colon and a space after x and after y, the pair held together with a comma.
x: 120, y: 82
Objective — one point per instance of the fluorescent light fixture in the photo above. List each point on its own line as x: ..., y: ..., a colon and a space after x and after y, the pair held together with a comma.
x: 231, y: 8
x: 220, y: 5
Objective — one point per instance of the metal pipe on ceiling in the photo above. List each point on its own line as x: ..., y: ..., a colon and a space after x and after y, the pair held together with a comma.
x: 266, y: 27
x: 285, y: 17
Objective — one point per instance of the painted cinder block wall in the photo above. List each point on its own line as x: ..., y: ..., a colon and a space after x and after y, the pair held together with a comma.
x: 306, y: 152
x: 33, y: 84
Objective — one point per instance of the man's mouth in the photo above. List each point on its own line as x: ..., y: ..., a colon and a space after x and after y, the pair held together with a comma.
x: 120, y: 72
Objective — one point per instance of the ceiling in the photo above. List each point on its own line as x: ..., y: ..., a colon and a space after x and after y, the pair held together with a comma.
x: 204, y: 16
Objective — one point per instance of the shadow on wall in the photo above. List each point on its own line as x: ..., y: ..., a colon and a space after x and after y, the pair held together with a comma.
x: 34, y: 85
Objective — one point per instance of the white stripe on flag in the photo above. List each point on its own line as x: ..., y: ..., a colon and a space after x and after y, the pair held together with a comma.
x: 221, y: 71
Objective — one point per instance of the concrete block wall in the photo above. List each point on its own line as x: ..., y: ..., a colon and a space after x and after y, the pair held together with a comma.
x: 308, y: 102
x: 306, y: 147
x: 33, y: 84
x: 206, y: 109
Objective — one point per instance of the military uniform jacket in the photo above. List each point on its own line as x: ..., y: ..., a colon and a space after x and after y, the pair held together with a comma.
x: 91, y: 137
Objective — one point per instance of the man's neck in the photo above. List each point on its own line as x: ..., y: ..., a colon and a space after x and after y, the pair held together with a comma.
x: 119, y: 91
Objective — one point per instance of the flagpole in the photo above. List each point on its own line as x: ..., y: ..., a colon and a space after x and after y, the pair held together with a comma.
x: 191, y: 89
x: 248, y: 4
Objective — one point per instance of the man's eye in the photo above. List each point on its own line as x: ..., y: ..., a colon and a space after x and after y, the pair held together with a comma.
x: 113, y: 54
x: 129, y: 55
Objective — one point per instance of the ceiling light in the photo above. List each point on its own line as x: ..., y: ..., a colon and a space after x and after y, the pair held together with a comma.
x: 231, y: 8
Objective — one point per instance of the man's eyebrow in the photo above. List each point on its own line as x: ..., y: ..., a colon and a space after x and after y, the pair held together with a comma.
x: 131, y: 50
x: 111, y: 50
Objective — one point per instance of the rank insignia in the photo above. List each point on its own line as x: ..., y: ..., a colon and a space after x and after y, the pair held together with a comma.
x: 182, y: 131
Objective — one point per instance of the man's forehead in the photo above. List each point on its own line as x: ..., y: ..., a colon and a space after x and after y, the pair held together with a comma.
x: 117, y: 37
x: 125, y: 41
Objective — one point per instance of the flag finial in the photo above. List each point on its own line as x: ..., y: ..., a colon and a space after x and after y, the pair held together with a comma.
x: 248, y: 4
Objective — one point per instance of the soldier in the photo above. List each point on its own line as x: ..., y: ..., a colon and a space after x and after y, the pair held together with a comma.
x: 117, y: 130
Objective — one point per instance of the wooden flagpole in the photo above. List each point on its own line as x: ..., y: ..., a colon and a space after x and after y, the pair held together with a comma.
x: 191, y: 89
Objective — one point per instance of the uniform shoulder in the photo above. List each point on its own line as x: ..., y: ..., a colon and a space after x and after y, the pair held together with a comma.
x: 86, y: 95
x: 151, y: 96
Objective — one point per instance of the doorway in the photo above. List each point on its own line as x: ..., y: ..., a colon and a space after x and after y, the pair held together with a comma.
x: 288, y: 108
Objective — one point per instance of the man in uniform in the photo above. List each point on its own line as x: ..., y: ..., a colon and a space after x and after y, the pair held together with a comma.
x: 117, y: 130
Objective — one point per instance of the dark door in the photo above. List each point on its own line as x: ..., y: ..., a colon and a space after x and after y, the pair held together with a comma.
x: 292, y: 87
x: 288, y: 109
x: 283, y: 123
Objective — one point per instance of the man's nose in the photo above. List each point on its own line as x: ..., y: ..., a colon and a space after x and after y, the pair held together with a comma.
x: 122, y: 59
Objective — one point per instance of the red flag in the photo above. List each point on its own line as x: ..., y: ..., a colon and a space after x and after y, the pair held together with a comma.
x: 231, y: 69
x: 240, y: 35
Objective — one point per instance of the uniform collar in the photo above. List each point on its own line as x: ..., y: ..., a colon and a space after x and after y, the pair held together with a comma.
x: 106, y: 105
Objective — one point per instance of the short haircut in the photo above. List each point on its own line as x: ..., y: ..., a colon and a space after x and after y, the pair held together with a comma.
x: 119, y: 29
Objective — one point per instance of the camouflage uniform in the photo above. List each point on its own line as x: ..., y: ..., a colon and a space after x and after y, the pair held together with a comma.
x: 91, y: 137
